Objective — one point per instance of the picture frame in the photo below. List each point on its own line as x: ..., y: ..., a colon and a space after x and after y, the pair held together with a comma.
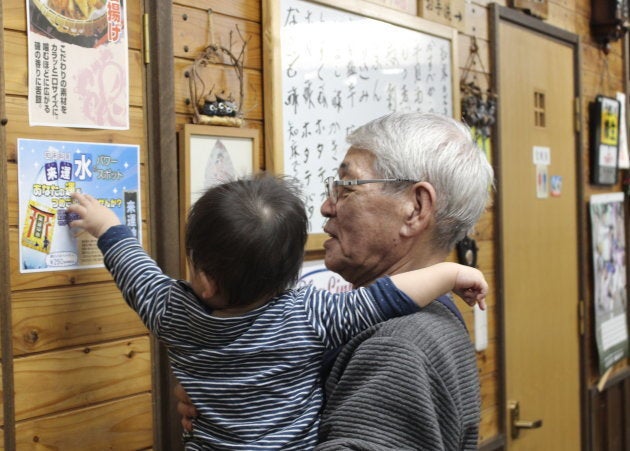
x: 210, y: 155
x: 313, y: 101
x: 604, y: 128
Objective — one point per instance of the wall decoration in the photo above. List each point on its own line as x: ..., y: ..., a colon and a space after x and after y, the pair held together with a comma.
x: 78, y: 70
x: 604, y: 115
x: 610, y: 288
x: 212, y: 105
x: 479, y: 108
x: 330, y: 70
x: 48, y: 172
x: 210, y: 155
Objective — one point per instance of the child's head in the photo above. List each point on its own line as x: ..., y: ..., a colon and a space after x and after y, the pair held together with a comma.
x: 249, y: 236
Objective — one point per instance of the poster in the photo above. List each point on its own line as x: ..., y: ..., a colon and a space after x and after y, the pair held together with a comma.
x: 316, y: 274
x: 78, y: 74
x: 48, y: 172
x: 610, y: 285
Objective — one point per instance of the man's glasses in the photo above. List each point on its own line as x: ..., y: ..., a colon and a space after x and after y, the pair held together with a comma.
x: 333, y: 193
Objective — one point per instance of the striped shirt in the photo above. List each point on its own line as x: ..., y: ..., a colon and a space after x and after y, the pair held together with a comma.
x: 254, y: 378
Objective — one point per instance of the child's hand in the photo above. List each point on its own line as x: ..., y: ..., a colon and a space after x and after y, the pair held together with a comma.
x: 471, y: 286
x: 95, y: 218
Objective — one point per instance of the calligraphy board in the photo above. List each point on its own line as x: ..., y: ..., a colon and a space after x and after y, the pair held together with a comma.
x: 334, y: 70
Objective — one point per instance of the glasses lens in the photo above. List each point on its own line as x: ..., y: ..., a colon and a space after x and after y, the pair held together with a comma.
x: 331, y: 192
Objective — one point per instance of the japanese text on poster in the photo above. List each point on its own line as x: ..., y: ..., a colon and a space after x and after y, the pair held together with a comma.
x: 610, y: 286
x: 48, y: 172
x: 77, y: 64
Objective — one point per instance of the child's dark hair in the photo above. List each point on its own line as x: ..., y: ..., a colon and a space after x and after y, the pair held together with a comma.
x: 249, y: 236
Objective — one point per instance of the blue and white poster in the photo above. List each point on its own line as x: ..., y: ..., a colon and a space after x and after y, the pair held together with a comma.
x: 48, y: 172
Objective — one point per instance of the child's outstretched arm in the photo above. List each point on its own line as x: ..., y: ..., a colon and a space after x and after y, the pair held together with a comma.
x: 95, y: 218
x: 424, y: 285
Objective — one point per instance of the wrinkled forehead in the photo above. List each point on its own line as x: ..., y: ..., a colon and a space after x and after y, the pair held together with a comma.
x: 358, y: 163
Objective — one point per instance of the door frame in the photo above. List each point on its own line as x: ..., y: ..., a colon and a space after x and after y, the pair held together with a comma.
x: 164, y: 225
x: 500, y: 14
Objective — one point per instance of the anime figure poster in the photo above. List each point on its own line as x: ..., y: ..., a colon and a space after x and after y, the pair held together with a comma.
x: 610, y: 287
x: 78, y: 72
x: 48, y: 172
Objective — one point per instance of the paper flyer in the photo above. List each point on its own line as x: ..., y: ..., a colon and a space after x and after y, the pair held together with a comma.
x: 78, y: 69
x: 48, y: 172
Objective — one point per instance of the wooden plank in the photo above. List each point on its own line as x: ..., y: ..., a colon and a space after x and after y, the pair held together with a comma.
x: 17, y: 127
x: 222, y: 77
x: 124, y: 424
x: 489, y: 390
x: 73, y: 378
x: 15, y: 19
x: 190, y: 35
x: 1, y: 408
x: 489, y: 425
x: 487, y: 359
x: 476, y: 21
x: 406, y: 6
x: 244, y: 9
x: 16, y: 57
x: 614, y: 416
x: 62, y: 317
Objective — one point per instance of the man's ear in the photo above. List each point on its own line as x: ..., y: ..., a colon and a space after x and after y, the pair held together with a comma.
x: 419, y: 209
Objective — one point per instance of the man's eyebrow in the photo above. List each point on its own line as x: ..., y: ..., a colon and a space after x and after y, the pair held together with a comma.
x: 343, y: 167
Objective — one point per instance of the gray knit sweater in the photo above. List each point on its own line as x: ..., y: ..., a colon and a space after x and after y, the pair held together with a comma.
x: 407, y: 384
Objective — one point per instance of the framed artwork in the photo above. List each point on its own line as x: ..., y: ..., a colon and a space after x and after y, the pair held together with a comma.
x: 333, y: 65
x: 210, y: 155
x: 604, y: 123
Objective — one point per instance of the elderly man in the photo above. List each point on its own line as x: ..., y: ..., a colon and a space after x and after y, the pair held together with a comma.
x: 410, y: 186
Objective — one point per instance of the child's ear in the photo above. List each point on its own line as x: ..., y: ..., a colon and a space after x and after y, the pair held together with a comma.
x: 208, y: 286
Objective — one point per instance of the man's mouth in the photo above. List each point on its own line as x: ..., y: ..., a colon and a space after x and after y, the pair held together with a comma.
x: 329, y: 233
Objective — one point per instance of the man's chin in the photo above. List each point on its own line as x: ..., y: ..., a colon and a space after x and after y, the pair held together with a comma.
x: 333, y: 261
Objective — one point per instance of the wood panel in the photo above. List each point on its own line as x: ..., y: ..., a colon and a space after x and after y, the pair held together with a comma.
x: 69, y: 379
x: 489, y: 425
x: 476, y: 21
x: 242, y: 9
x: 191, y: 35
x: 62, y: 317
x: 609, y: 417
x: 121, y: 425
x: 17, y: 127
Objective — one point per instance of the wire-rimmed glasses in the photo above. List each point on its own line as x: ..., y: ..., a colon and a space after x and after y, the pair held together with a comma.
x: 333, y: 194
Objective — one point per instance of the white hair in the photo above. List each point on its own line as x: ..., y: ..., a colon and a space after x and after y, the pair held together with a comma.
x: 438, y: 150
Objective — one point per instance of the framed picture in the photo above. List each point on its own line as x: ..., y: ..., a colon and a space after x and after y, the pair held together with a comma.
x: 333, y: 65
x: 210, y: 155
x: 604, y: 126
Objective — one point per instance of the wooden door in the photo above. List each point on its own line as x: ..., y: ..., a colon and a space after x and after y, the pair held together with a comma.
x: 539, y: 223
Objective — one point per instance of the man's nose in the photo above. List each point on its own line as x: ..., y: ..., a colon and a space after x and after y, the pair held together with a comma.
x: 328, y: 208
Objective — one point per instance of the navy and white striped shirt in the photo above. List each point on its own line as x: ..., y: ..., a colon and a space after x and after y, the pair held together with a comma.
x: 254, y: 378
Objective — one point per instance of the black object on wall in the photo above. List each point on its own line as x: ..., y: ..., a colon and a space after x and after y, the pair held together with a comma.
x: 604, y: 140
x: 609, y: 20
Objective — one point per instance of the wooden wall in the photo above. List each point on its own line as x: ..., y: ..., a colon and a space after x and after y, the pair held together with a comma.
x: 79, y: 364
x: 80, y: 359
x: 601, y: 74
